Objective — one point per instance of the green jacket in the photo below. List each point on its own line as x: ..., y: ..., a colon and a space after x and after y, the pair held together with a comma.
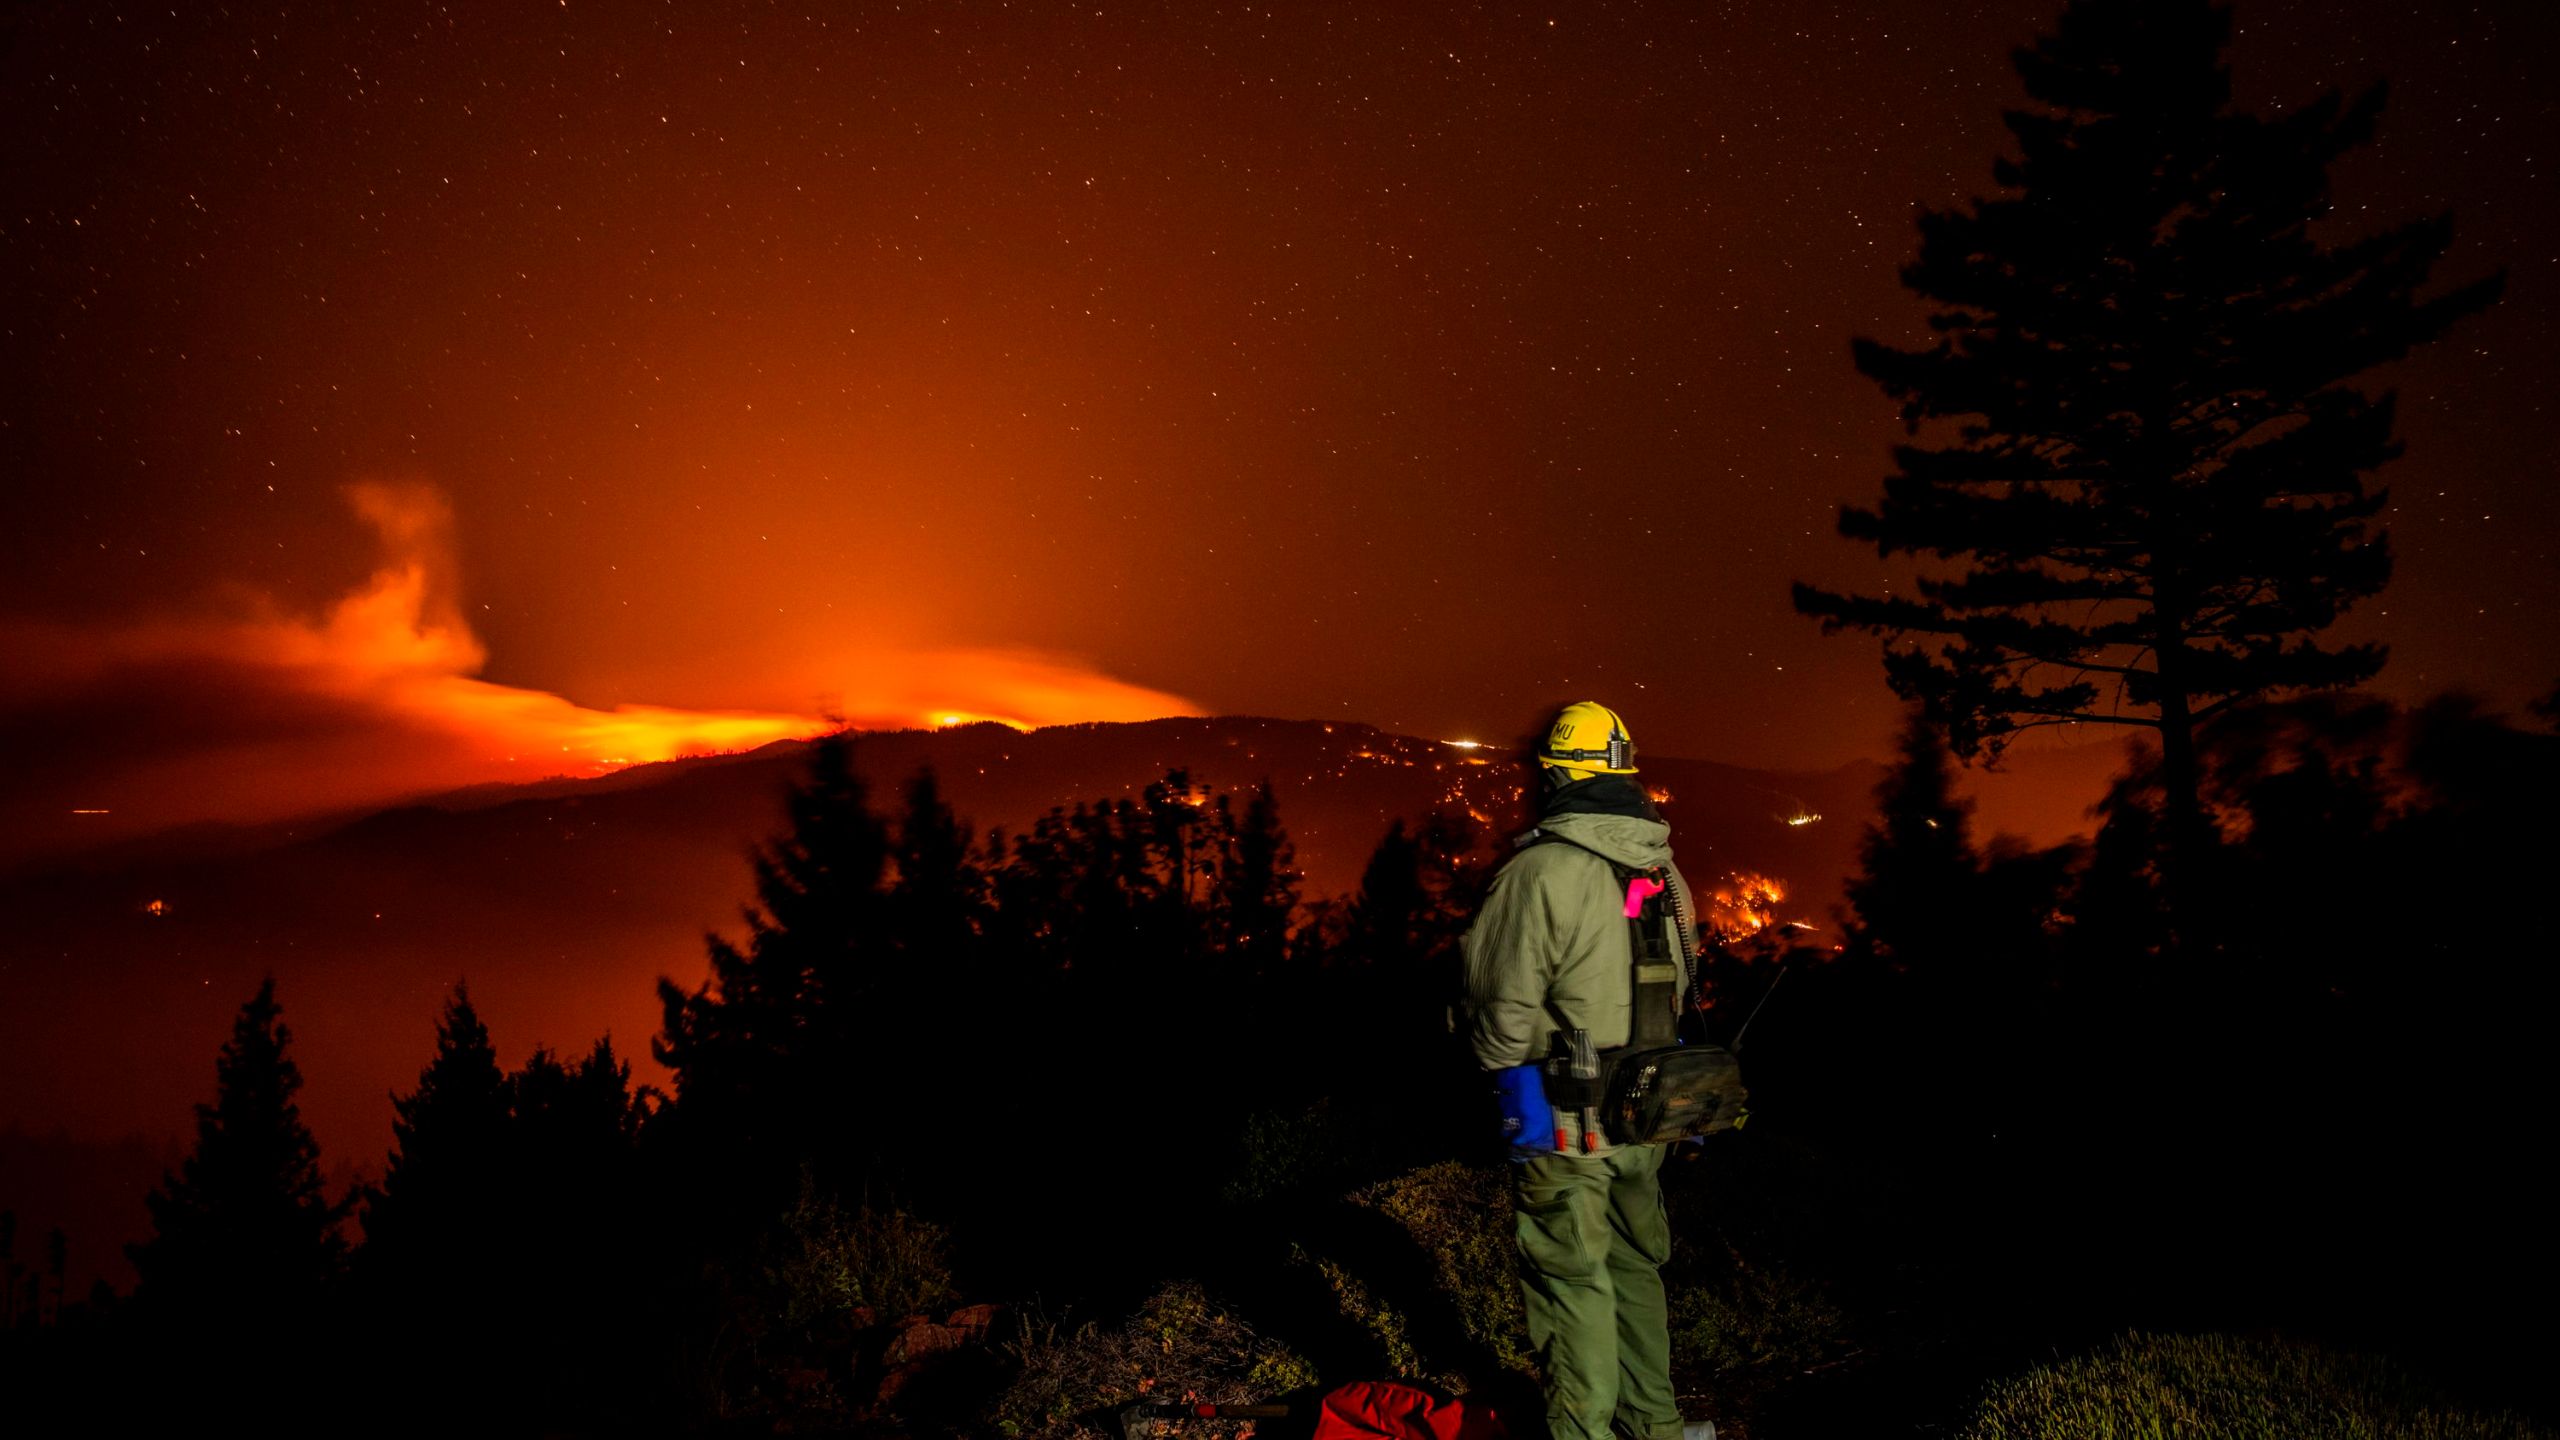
x: 1549, y: 949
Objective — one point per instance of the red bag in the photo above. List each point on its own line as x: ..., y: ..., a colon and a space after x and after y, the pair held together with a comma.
x: 1386, y: 1410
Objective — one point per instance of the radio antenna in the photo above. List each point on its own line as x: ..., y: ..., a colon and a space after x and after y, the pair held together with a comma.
x: 1736, y: 1047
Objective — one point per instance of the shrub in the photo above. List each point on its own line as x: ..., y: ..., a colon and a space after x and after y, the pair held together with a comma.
x: 1460, y: 1217
x: 1727, y: 1314
x: 1180, y: 1345
x: 1282, y: 1152
x: 827, y: 1264
x: 2220, y: 1387
x: 1384, y: 1326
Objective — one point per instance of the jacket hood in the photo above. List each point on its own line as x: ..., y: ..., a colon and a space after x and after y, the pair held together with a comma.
x: 1634, y: 841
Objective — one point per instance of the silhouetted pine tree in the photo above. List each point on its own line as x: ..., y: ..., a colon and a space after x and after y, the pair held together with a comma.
x: 2146, y: 450
x: 1387, y: 911
x: 1417, y: 894
x: 766, y: 1052
x: 1258, y: 891
x: 242, y: 1232
x: 580, y: 1270
x: 573, y: 1135
x: 1949, y: 958
x: 1386, y: 998
x: 1117, y: 890
x: 1182, y: 842
x: 444, y: 1189
x: 937, y: 901
x: 57, y: 1266
x: 1917, y: 891
x: 503, y: 1250
x: 935, y: 914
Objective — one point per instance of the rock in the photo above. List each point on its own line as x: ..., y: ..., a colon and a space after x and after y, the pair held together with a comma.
x: 895, y: 1381
x: 919, y: 1339
x: 925, y: 1338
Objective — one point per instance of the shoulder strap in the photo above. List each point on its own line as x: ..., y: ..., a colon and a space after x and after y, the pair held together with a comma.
x: 1655, y: 975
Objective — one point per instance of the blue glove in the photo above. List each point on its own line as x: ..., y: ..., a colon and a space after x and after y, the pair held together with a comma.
x: 1528, y: 1126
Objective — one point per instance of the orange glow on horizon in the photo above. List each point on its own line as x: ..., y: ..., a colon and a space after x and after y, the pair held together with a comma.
x: 389, y: 674
x: 401, y: 638
x: 401, y: 641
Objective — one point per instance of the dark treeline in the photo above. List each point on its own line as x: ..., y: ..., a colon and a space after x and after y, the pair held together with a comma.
x: 936, y: 1065
x: 2002, y: 1111
x: 2313, y: 1102
x: 915, y: 1014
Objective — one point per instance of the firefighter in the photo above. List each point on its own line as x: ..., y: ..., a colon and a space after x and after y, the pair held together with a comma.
x: 1548, y: 955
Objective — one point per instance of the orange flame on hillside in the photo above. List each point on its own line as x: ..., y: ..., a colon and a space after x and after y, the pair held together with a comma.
x: 1743, y: 904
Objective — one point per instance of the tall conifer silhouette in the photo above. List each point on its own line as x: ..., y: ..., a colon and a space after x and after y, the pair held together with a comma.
x: 938, y: 899
x: 1258, y: 892
x: 242, y: 1230
x: 765, y: 1051
x: 2137, y: 430
x: 443, y: 1188
x: 1918, y: 888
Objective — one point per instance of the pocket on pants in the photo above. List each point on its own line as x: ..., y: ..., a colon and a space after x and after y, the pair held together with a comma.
x: 1637, y: 1213
x: 1560, y: 1232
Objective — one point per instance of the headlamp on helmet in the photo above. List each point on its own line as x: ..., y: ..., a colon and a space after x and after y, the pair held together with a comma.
x: 1588, y: 738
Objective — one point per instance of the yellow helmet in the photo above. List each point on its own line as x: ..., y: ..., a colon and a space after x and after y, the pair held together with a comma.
x: 1589, y: 738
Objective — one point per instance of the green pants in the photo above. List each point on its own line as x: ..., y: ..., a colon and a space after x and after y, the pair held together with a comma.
x: 1592, y: 1240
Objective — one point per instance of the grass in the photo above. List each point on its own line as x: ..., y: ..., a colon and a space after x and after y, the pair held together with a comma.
x: 1747, y: 1318
x: 1460, y: 1216
x: 2222, y: 1387
x: 1180, y: 1345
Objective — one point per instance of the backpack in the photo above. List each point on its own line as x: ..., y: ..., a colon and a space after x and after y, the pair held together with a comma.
x: 1392, y: 1410
x: 1654, y: 1089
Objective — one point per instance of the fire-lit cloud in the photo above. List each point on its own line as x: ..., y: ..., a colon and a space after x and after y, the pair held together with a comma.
x: 248, y: 712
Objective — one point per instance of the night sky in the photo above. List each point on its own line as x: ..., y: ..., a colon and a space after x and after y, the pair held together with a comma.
x: 398, y: 387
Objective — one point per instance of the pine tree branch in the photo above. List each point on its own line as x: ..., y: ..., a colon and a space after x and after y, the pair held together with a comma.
x: 2082, y: 717
x: 2090, y: 719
